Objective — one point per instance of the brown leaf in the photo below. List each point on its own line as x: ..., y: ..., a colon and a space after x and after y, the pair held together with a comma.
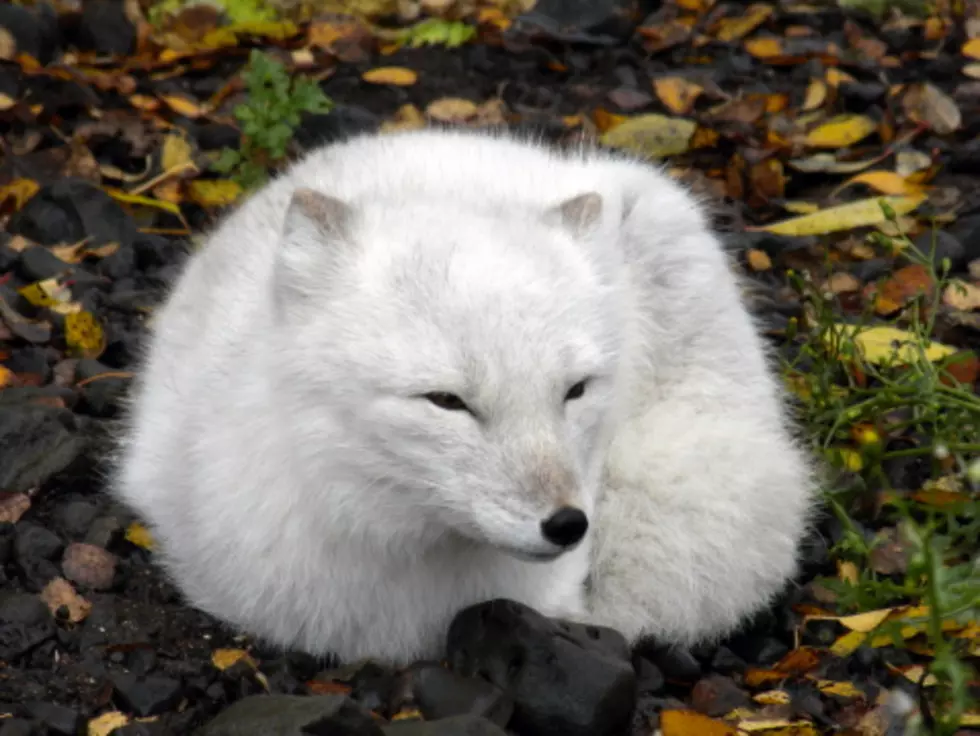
x: 452, y: 110
x: 798, y: 661
x: 889, y: 555
x: 899, y: 289
x: 15, y: 194
x: 677, y: 94
x: 691, y: 723
x: 13, y: 506
x: 59, y: 592
x: 962, y: 295
x: 734, y: 29
x: 758, y: 259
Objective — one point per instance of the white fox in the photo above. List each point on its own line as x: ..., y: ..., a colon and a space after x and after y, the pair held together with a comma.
x: 422, y: 370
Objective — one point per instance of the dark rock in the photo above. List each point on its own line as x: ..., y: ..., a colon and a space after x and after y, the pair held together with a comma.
x: 119, y: 264
x: 24, y: 624
x: 440, y: 693
x: 343, y: 121
x: 649, y: 678
x: 68, y: 211
x: 678, y: 664
x: 349, y: 720
x: 39, y: 263
x: 35, y: 29
x: 75, y: 517
x: 7, y: 532
x: 105, y: 28
x: 528, y: 655
x: 284, y: 715
x: 104, y: 397
x: 215, y: 136
x: 17, y: 727
x: 859, y: 96
x: 33, y: 542
x: 104, y: 531
x: 946, y: 245
x: 587, y: 21
x: 146, y: 696
x: 57, y: 718
x: 726, y: 662
x: 455, y: 726
x: 36, y: 443
x: 716, y: 695
x: 89, y: 565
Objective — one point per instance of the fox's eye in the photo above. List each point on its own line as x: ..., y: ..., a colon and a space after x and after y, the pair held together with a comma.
x: 447, y: 401
x: 576, y: 391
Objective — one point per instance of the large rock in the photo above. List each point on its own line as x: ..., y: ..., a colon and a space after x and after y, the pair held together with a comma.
x: 441, y: 693
x: 566, y: 680
x: 291, y: 715
x: 455, y: 726
x: 36, y: 443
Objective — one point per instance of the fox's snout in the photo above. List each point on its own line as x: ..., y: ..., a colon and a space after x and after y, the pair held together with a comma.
x: 554, y: 480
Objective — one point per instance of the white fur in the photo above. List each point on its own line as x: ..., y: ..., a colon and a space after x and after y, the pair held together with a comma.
x: 299, y: 488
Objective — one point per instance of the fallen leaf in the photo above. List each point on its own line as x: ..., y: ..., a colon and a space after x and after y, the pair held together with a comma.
x: 46, y: 293
x: 106, y: 723
x: 395, y: 75
x: 654, y: 136
x: 734, y: 29
x: 758, y: 259
x: 843, y: 282
x: 13, y: 506
x: 843, y: 217
x: 59, y: 592
x: 882, y: 344
x: 841, y: 131
x: 773, y: 697
x: 139, y: 535
x: 827, y: 162
x: 452, y: 110
x: 765, y: 47
x: 691, y: 723
x: 84, y: 335
x: 677, y: 93
x: 139, y: 199
x: 900, y: 288
x: 816, y: 94
x: 177, y: 153
x: 884, y: 182
x: 962, y: 295
x: 798, y: 661
x: 926, y: 103
x: 17, y: 191
x: 848, y: 644
x: 214, y: 192
x: 225, y: 658
x: 971, y: 48
x: 183, y: 106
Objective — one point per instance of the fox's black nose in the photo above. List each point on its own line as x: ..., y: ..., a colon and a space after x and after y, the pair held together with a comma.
x: 565, y: 527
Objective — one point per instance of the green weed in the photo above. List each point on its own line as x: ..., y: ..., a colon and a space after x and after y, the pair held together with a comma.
x: 269, y: 118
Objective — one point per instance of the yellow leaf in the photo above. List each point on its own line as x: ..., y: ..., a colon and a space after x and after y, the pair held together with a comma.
x: 772, y: 697
x: 971, y: 48
x: 139, y: 535
x: 848, y: 644
x: 396, y: 75
x: 107, y: 723
x: 177, y: 153
x: 128, y: 198
x: 843, y: 217
x: 84, y: 335
x: 691, y: 723
x: 46, y: 293
x: 653, y: 135
x: 452, y: 110
x: 225, y: 658
x: 866, y: 622
x: 816, y: 94
x: 885, y: 182
x: 883, y: 344
x: 847, y: 570
x: 841, y: 689
x: 677, y: 94
x: 970, y: 719
x: 214, y: 192
x: 733, y: 29
x: 19, y: 190
x: 841, y: 131
x: 765, y: 47
x: 183, y: 106
x: 835, y: 77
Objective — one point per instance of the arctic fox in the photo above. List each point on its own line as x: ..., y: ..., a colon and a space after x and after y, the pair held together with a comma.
x: 422, y: 370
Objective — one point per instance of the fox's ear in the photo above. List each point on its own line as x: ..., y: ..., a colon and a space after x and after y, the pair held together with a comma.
x: 579, y: 214
x: 312, y: 215
x: 316, y: 235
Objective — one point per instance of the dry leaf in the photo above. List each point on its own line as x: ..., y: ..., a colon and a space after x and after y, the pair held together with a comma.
x: 13, y: 506
x: 18, y: 191
x: 962, y: 295
x: 225, y: 658
x: 882, y: 344
x: 926, y: 103
x: 691, y: 723
x: 59, y: 592
x: 884, y: 182
x: 841, y: 131
x: 128, y: 198
x: 653, y: 136
x: 734, y: 29
x: 452, y: 110
x: 843, y: 217
x: 139, y: 535
x: 106, y: 723
x: 971, y: 49
x: 84, y: 335
x: 177, y: 153
x: 396, y: 75
x: 816, y: 95
x: 827, y: 162
x: 758, y: 259
x: 900, y: 288
x: 765, y: 47
x: 843, y: 282
x: 183, y: 106
x: 677, y: 93
x: 214, y: 192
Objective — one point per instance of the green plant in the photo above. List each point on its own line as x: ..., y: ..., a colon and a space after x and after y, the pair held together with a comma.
x: 854, y: 407
x: 436, y: 32
x: 268, y: 117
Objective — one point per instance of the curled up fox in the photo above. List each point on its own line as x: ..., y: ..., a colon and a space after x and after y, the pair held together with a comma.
x: 426, y: 369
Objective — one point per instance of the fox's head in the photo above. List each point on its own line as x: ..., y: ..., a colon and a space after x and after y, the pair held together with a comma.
x: 458, y: 366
